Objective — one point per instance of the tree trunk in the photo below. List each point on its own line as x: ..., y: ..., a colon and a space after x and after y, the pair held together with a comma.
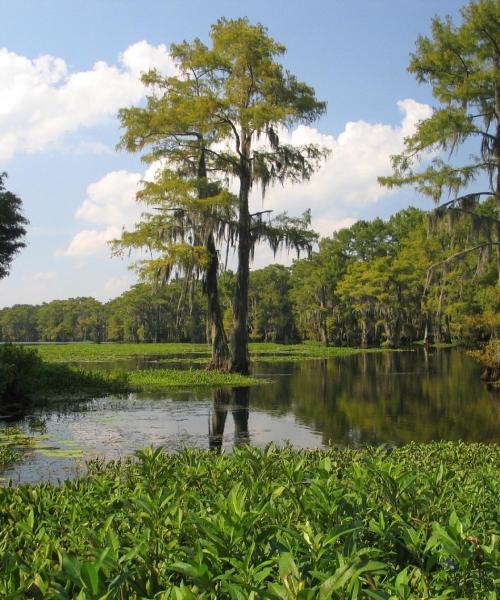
x: 215, y: 322
x: 364, y: 332
x: 497, y: 161
x: 324, y: 330
x: 240, y: 361
x: 220, y: 347
x: 427, y: 340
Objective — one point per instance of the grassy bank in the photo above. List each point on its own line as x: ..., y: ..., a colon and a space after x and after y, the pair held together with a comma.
x: 418, y: 522
x: 62, y: 382
x: 84, y: 352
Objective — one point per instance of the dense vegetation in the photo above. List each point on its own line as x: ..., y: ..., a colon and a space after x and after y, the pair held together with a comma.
x: 26, y: 379
x: 365, y: 285
x: 419, y: 521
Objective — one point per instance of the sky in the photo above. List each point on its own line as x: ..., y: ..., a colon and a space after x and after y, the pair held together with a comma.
x: 67, y: 67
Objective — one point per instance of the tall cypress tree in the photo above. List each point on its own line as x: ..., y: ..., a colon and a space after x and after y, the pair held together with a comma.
x: 462, y: 65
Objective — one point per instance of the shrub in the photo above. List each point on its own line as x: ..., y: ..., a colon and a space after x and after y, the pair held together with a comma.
x: 19, y: 368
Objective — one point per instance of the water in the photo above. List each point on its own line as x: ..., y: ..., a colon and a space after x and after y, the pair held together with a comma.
x: 371, y: 398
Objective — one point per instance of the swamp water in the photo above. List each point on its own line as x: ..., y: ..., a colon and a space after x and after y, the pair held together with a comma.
x: 370, y: 398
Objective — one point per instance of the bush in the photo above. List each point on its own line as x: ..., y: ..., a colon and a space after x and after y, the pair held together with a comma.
x: 19, y: 368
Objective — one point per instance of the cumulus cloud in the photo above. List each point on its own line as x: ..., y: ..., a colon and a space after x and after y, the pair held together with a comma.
x: 110, y: 203
x: 41, y: 100
x: 90, y: 242
x: 347, y: 181
x: 111, y: 200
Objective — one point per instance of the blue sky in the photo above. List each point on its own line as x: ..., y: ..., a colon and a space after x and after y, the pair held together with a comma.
x: 66, y: 67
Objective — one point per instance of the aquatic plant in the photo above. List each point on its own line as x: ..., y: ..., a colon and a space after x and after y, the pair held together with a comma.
x: 420, y: 521
x: 88, y: 352
x: 12, y: 441
x: 160, y: 378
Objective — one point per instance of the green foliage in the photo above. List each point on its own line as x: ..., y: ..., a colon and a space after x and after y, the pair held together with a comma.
x: 461, y: 63
x: 19, y: 369
x: 270, y: 307
x: 25, y: 378
x: 162, y: 378
x: 420, y: 521
x: 60, y: 381
x: 12, y: 440
x: 12, y: 227
x: 489, y: 356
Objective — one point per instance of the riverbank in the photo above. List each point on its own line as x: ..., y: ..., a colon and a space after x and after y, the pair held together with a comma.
x: 416, y: 521
x: 55, y: 372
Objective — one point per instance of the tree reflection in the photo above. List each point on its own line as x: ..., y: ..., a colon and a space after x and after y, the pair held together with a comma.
x: 234, y: 399
x: 388, y: 397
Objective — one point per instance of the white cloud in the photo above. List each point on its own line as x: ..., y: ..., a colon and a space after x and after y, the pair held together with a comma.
x: 91, y: 147
x: 41, y: 101
x: 110, y: 203
x: 347, y: 181
x: 326, y: 226
x: 45, y: 276
x: 141, y: 57
x: 116, y: 286
x: 90, y: 242
x: 111, y: 200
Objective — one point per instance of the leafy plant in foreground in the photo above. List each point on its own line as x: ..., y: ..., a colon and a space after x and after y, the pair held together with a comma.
x: 419, y: 521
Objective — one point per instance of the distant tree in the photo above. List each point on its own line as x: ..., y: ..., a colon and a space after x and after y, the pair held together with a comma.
x: 12, y: 227
x: 462, y: 64
x: 270, y: 311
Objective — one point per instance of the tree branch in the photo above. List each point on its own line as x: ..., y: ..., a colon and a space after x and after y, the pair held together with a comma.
x: 462, y: 253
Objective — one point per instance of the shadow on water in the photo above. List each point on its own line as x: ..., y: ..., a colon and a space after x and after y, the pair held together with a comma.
x: 371, y: 398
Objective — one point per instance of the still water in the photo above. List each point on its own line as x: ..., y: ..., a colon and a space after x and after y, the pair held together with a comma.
x: 390, y: 397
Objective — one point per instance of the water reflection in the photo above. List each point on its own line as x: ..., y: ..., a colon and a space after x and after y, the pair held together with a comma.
x: 391, y: 397
x: 236, y: 400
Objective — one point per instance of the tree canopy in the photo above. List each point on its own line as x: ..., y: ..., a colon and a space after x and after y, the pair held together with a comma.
x: 12, y: 227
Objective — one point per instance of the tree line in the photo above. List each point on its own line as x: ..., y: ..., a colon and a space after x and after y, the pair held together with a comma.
x: 366, y: 285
